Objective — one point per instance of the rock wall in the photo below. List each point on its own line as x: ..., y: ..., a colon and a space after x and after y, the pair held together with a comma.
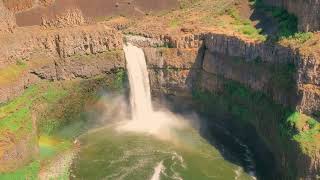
x: 172, y: 71
x: 7, y: 19
x: 307, y: 67
x: 211, y: 59
x: 71, y: 17
x: 307, y: 11
x: 18, y: 5
x: 68, y: 53
x: 219, y: 49
x: 31, y: 55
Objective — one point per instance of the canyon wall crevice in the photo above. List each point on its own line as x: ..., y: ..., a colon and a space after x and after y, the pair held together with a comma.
x: 307, y: 11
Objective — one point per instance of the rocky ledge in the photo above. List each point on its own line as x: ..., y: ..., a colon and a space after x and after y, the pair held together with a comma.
x: 182, y: 64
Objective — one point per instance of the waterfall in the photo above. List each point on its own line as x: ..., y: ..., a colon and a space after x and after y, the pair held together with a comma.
x: 140, y: 97
x: 144, y: 118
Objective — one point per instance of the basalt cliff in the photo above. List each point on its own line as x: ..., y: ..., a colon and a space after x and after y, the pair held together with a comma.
x: 270, y: 88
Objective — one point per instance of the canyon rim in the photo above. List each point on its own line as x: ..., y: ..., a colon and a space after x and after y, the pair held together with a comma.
x: 248, y: 68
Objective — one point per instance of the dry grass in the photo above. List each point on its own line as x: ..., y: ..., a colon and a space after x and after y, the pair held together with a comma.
x: 200, y: 16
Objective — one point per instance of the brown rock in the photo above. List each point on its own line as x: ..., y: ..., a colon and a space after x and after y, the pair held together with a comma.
x: 18, y: 5
x: 67, y: 53
x: 7, y: 19
x: 71, y: 17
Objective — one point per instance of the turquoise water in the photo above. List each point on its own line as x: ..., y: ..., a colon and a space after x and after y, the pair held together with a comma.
x: 108, y: 154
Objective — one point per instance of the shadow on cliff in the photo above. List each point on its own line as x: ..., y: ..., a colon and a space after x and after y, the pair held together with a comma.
x: 237, y: 143
x: 275, y: 23
x: 244, y: 119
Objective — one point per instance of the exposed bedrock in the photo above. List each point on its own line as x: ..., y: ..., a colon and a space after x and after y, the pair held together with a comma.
x: 210, y: 61
x: 7, y: 19
x: 178, y: 64
x: 307, y: 11
x: 29, y: 56
x: 83, y: 52
x: 260, y: 66
x: 19, y: 5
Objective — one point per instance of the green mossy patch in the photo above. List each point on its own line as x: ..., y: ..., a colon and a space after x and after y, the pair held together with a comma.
x: 12, y: 72
x: 305, y: 130
x: 245, y: 26
x: 257, y: 108
x: 60, y: 111
x: 287, y: 23
x: 28, y: 172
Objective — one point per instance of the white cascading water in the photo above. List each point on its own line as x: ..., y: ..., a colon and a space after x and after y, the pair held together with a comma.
x: 140, y: 98
x: 144, y: 118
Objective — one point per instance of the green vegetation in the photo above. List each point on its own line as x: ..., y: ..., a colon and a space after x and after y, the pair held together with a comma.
x: 260, y: 110
x: 15, y: 117
x: 245, y: 26
x: 120, y: 79
x: 175, y: 23
x: 187, y: 3
x: 300, y: 37
x: 12, y: 72
x: 29, y: 172
x: 16, y: 114
x: 69, y: 106
x: 287, y: 23
x: 55, y: 106
x: 241, y: 102
x: 305, y: 130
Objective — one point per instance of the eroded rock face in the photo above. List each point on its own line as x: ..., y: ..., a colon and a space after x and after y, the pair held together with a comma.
x: 220, y: 52
x: 18, y: 5
x: 7, y: 19
x: 23, y: 5
x: 46, y: 2
x: 71, y: 17
x: 307, y: 11
x: 173, y: 70
x: 31, y: 55
x: 69, y: 53
x: 58, y: 42
x: 225, y: 57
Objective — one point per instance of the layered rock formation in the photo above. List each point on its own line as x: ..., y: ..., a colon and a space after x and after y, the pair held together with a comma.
x: 18, y: 5
x: 7, y: 19
x: 307, y: 11
x: 178, y: 64
x: 222, y: 48
x: 56, y: 55
x: 23, y: 5
x: 69, y: 18
x: 32, y: 55
x: 207, y: 61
